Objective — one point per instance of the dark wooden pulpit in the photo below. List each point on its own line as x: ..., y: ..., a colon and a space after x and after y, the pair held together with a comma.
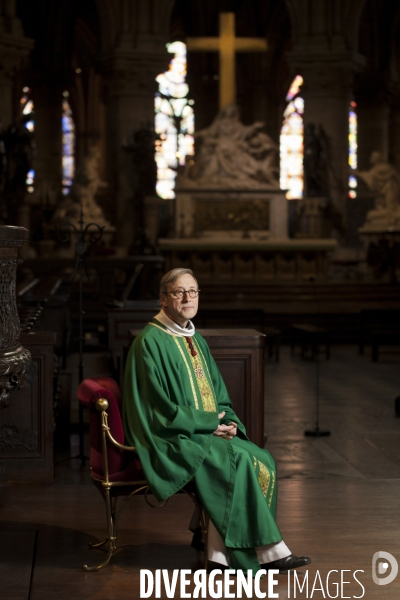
x: 26, y: 426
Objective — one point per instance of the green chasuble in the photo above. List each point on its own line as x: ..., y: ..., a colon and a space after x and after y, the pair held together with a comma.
x: 170, y: 411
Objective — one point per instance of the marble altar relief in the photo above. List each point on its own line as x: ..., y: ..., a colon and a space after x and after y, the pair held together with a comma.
x: 383, y: 179
x: 244, y: 215
x: 227, y: 214
x: 231, y: 155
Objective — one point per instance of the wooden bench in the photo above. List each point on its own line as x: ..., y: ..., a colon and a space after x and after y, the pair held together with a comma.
x: 310, y: 337
x: 378, y: 327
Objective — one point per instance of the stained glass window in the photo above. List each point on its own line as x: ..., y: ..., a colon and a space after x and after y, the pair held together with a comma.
x: 292, y: 142
x: 68, y: 139
x: 28, y: 121
x: 68, y: 145
x: 174, y: 121
x: 353, y: 148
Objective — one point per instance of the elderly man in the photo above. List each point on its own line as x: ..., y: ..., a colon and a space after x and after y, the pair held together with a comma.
x: 178, y: 414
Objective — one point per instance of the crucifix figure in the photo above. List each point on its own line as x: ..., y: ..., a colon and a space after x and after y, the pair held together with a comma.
x: 227, y: 45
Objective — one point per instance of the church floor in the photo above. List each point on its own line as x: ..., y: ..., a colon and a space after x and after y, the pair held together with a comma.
x: 338, y: 497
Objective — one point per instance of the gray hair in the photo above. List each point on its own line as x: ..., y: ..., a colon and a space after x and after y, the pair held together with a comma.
x: 172, y: 276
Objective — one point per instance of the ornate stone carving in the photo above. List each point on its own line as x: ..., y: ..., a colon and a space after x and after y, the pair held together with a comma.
x: 329, y: 74
x: 130, y: 72
x: 383, y: 179
x: 86, y: 185
x: 233, y: 155
x: 14, y: 359
x: 14, y: 46
x: 226, y: 215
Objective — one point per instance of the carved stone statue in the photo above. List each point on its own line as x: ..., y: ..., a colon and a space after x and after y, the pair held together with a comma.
x: 87, y: 183
x: 232, y: 155
x: 383, y: 179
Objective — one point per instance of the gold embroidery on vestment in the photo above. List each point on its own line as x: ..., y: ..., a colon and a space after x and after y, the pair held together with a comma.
x: 196, y: 401
x: 272, y: 490
x: 207, y: 397
x: 263, y: 478
x: 213, y: 402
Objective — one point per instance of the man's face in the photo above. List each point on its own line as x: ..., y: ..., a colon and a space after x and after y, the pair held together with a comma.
x: 180, y: 310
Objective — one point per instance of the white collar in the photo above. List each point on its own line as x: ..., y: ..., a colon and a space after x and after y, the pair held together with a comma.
x: 173, y: 327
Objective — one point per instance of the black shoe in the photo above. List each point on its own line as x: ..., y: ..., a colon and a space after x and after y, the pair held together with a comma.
x: 287, y: 563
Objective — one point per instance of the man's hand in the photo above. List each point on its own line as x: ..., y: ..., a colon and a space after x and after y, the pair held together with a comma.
x: 225, y: 431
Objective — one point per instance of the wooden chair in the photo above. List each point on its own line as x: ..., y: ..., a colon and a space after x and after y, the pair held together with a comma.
x: 115, y: 468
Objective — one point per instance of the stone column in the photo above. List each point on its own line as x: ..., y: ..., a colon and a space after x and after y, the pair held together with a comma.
x: 373, y: 96
x: 394, y: 135
x: 14, y: 49
x: 130, y: 89
x: 327, y: 93
x: 48, y: 140
x: 325, y: 42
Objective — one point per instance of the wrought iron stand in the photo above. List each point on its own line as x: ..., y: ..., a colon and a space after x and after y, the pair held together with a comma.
x: 85, y: 235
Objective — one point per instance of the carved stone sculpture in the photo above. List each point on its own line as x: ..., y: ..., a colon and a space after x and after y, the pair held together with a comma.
x: 232, y: 155
x: 87, y: 183
x: 14, y: 359
x: 383, y: 179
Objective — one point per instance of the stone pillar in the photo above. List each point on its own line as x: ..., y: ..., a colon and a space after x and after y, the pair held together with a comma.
x: 14, y: 49
x: 325, y: 42
x: 373, y: 97
x: 394, y: 135
x: 48, y: 140
x: 130, y: 89
x: 14, y: 359
x: 327, y: 92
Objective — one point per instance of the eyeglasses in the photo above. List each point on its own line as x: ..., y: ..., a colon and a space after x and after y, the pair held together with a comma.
x: 179, y: 293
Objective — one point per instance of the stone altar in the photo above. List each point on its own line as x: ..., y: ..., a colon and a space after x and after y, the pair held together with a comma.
x: 230, y: 189
x: 229, y: 214
x: 231, y: 217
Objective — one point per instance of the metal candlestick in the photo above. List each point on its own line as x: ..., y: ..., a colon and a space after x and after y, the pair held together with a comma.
x: 85, y: 235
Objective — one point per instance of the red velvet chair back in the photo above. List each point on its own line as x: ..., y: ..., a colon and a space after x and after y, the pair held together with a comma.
x: 89, y: 391
x: 120, y: 466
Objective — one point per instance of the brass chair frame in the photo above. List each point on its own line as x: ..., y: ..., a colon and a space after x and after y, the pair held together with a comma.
x: 109, y: 491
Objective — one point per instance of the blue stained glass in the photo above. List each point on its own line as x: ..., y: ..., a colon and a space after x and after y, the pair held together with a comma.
x: 68, y: 146
x: 174, y: 121
x: 292, y: 143
x: 28, y: 119
x: 353, y: 146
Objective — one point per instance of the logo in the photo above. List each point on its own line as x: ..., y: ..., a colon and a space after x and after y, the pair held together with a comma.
x: 382, y: 567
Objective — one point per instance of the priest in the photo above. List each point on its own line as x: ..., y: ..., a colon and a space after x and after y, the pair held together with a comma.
x: 178, y: 414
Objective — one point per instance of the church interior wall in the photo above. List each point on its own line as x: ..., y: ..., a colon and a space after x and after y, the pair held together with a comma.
x: 106, y: 55
x: 117, y: 49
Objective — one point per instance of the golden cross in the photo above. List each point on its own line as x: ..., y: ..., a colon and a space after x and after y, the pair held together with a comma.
x: 227, y: 45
